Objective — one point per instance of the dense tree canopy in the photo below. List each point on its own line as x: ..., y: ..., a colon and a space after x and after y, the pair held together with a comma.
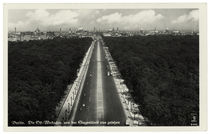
x: 38, y: 73
x: 163, y: 73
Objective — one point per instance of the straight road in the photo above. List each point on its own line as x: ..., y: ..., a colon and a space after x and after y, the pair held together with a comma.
x: 99, y: 101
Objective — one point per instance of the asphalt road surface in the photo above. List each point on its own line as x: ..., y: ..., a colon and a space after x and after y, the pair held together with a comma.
x: 99, y: 104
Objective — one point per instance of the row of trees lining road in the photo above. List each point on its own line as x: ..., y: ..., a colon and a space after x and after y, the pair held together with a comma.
x: 38, y: 74
x: 162, y: 73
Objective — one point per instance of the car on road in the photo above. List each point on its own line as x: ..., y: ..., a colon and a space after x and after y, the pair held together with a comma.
x: 108, y: 73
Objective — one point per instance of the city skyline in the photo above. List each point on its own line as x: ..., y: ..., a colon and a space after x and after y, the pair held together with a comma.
x: 103, y: 19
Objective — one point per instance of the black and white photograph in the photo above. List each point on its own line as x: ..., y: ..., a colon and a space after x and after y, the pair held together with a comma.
x: 106, y: 67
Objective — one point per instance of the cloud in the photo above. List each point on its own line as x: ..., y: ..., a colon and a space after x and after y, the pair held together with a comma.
x: 192, y: 16
x: 112, y: 18
x: 47, y: 19
x: 43, y: 17
x: 87, y: 12
x: 53, y: 19
x: 19, y: 25
x: 142, y: 17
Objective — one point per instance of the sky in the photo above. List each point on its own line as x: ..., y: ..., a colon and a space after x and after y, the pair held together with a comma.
x: 103, y: 19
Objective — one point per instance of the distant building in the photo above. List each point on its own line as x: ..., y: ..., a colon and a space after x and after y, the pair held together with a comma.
x: 70, y: 31
x: 107, y: 34
x: 14, y: 36
x: 50, y: 35
x: 37, y: 32
x: 176, y: 32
